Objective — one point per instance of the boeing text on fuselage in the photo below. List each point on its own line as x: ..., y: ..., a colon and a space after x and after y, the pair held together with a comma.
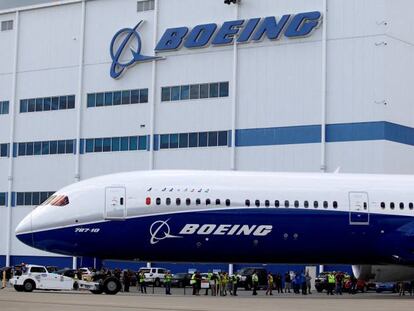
x: 160, y: 230
x: 242, y: 31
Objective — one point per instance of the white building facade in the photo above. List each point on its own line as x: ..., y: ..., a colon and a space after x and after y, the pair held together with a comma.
x: 235, y: 87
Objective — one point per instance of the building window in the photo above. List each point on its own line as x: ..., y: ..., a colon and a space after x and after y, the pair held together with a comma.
x: 46, y: 147
x: 195, y: 91
x: 4, y: 150
x: 47, y: 103
x: 146, y: 5
x: 115, y: 144
x: 192, y: 140
x: 2, y: 199
x: 32, y: 198
x: 115, y: 98
x: 4, y: 107
x: 7, y: 25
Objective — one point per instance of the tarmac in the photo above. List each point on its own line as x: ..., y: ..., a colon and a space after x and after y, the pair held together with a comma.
x: 10, y: 300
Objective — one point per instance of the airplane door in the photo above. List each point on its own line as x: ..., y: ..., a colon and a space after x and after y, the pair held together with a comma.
x: 358, y: 208
x: 115, y: 205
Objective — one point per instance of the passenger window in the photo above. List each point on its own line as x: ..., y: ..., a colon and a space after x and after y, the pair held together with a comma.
x: 257, y: 203
x: 335, y: 204
x: 157, y: 201
x: 198, y: 201
x: 168, y: 201
x: 315, y: 204
x: 188, y: 201
x: 286, y: 203
x: 411, y: 206
x: 365, y: 205
x: 392, y: 205
x: 247, y: 202
x: 401, y: 205
x: 306, y: 204
x: 227, y: 202
x: 382, y: 205
x: 325, y: 204
x: 267, y: 203
x: 121, y: 201
x: 296, y: 203
x: 208, y: 202
x: 277, y: 204
x: 177, y: 201
x: 217, y: 201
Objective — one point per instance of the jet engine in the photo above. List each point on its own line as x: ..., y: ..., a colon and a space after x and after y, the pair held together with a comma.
x: 383, y: 273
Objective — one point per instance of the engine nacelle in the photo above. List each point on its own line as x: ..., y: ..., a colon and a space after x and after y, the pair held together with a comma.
x: 383, y: 273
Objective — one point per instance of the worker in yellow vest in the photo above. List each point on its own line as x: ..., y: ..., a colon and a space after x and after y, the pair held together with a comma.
x: 269, y: 284
x: 331, y: 283
x: 167, y: 283
x: 255, y: 282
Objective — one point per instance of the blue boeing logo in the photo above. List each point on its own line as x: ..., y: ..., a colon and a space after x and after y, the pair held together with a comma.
x: 240, y: 31
x: 126, y: 37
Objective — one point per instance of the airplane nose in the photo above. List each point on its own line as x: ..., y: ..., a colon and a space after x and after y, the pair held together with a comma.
x: 24, y: 230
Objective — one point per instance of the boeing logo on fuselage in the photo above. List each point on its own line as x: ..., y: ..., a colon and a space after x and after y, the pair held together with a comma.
x: 242, y: 31
x: 160, y: 230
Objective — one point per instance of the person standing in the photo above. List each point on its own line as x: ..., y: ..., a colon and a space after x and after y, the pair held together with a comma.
x: 269, y: 284
x: 255, y: 283
x: 193, y: 283
x: 331, y: 283
x: 126, y: 280
x: 142, y: 283
x: 209, y: 276
x: 4, y: 281
x: 236, y: 279
x: 308, y: 282
x: 198, y: 283
x: 288, y: 282
x: 339, y: 283
x: 167, y: 283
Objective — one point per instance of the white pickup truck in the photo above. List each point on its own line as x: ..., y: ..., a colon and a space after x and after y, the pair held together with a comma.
x: 37, y: 277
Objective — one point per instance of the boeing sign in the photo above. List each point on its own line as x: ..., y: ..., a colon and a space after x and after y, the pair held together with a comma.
x: 242, y: 31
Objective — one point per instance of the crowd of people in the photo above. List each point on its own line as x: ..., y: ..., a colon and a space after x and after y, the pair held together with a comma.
x: 223, y: 284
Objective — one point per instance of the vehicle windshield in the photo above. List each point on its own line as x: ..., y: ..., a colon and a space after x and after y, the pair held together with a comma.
x: 180, y: 275
x: 246, y: 271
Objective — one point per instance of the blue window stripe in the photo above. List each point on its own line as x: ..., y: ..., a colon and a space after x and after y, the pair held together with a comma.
x: 156, y: 142
x: 399, y: 133
x: 278, y: 136
x: 355, y: 131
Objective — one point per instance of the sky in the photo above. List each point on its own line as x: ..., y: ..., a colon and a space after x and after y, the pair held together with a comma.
x: 6, y: 4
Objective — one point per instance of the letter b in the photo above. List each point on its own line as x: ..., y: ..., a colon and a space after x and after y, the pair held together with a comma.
x: 171, y: 39
x: 189, y: 229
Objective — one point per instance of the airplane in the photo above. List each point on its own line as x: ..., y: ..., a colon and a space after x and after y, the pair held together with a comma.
x: 234, y: 216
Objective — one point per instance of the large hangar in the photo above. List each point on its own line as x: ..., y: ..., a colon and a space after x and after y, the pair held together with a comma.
x: 95, y: 87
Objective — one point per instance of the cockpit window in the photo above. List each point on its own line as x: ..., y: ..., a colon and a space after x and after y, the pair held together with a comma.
x: 60, y: 200
x: 50, y: 199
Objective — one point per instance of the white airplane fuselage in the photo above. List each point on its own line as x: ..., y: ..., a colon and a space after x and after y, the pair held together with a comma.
x: 227, y: 216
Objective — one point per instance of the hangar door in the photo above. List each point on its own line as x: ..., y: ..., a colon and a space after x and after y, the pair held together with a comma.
x: 358, y: 208
x: 115, y: 205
